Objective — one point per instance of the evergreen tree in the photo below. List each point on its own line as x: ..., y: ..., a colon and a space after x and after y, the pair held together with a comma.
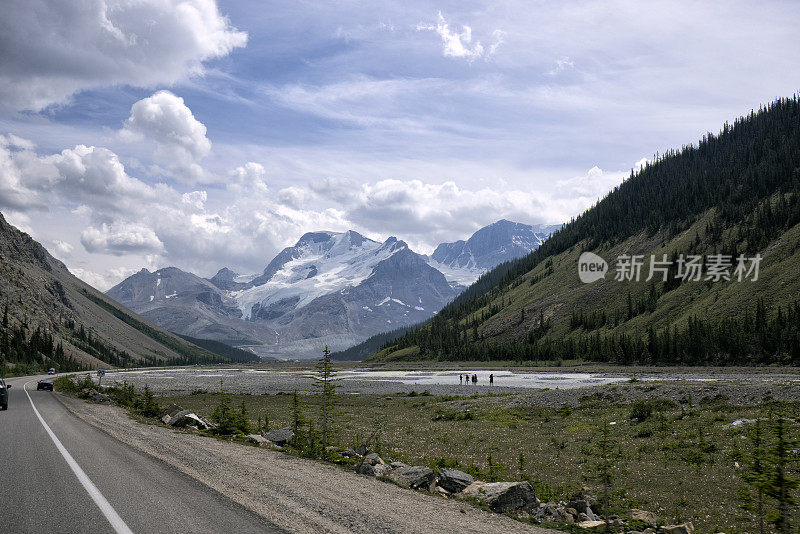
x: 780, y: 485
x: 298, y: 419
x: 325, y: 382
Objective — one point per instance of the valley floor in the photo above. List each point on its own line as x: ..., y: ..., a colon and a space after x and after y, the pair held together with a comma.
x: 681, y: 436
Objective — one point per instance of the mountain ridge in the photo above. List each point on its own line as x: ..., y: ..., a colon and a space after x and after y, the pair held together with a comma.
x: 338, y: 288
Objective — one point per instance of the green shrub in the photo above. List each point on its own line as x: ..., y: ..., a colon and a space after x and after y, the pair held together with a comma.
x: 66, y: 384
x: 124, y: 395
x: 641, y: 410
x: 146, y: 403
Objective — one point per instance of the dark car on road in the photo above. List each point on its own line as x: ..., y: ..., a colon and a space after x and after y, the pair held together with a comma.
x: 4, y: 394
x: 45, y: 384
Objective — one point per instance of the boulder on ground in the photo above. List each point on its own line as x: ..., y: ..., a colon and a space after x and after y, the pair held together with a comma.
x: 683, y: 528
x: 377, y: 470
x: 398, y: 465
x: 365, y: 468
x: 281, y: 436
x: 348, y: 453
x: 644, y: 516
x: 503, y: 496
x: 186, y: 418
x: 454, y: 480
x: 169, y: 412
x: 413, y: 477
x: 381, y: 469
x: 591, y: 524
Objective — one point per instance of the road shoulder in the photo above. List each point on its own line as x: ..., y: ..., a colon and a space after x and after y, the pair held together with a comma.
x: 295, y: 494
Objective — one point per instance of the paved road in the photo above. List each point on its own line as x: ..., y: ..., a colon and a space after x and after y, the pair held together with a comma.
x: 74, y: 478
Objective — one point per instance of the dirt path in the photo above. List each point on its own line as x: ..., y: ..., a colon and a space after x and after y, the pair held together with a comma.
x: 295, y: 494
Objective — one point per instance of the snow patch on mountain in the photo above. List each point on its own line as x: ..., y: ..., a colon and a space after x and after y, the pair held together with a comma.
x: 320, y: 264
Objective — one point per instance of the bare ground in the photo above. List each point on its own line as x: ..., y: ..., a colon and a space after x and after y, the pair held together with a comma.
x: 295, y: 494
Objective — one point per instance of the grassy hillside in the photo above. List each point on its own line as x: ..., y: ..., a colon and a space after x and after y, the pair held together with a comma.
x: 50, y: 318
x: 734, y: 193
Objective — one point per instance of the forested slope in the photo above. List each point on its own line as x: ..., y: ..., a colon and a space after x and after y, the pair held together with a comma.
x: 735, y: 193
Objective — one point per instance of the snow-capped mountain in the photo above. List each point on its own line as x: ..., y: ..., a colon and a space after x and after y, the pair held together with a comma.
x: 320, y: 263
x: 330, y: 288
x: 462, y: 262
x: 186, y: 304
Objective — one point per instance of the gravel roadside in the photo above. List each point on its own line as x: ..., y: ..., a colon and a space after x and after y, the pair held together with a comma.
x: 295, y: 494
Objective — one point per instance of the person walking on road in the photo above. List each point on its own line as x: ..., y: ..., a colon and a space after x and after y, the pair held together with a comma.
x: 460, y: 379
x: 491, y: 379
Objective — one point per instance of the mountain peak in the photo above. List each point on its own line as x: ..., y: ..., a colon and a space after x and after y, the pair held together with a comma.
x: 504, y: 240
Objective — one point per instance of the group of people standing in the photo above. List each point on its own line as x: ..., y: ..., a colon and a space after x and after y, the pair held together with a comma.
x: 465, y: 379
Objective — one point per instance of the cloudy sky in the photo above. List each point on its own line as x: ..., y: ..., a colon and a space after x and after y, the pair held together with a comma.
x: 203, y: 134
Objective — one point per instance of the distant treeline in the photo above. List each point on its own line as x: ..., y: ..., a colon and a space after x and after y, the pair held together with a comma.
x: 370, y: 346
x: 221, y: 349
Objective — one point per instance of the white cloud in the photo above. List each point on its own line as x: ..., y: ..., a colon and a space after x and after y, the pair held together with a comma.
x: 459, y: 44
x: 62, y: 248
x: 180, y: 138
x: 248, y: 179
x: 53, y: 49
x: 123, y: 237
x: 95, y: 176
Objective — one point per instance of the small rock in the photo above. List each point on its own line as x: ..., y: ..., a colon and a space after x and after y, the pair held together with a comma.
x: 377, y: 470
x: 101, y: 397
x: 348, y: 453
x: 503, y: 496
x: 281, y: 436
x: 381, y: 469
x: 398, y: 465
x: 643, y: 515
x: 362, y: 450
x: 582, y: 506
x: 565, y: 516
x: 683, y: 528
x: 739, y: 422
x: 413, y: 477
x: 365, y: 468
x: 591, y: 524
x: 373, y: 459
x: 454, y: 480
x: 441, y: 491
x: 256, y: 439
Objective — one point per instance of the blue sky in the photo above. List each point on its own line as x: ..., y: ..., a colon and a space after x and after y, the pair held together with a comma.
x: 203, y: 134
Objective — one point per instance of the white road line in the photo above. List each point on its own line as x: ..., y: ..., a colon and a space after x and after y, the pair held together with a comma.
x: 113, y: 517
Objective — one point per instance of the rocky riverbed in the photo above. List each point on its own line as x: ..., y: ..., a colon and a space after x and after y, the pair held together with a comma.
x: 541, y: 388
